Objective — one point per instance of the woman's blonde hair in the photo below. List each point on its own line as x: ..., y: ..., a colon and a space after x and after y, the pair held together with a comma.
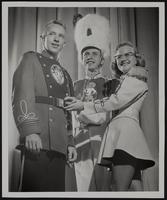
x: 139, y: 58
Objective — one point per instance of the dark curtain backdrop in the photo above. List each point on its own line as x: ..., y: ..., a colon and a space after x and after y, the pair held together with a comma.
x: 138, y: 25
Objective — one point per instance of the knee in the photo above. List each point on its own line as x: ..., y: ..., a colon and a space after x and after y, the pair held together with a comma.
x: 115, y: 186
x: 121, y: 187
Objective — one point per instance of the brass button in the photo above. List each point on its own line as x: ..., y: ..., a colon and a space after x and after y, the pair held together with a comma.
x: 50, y: 96
x: 51, y: 120
x: 50, y: 86
x: 47, y: 75
x: 50, y: 108
x: 44, y: 65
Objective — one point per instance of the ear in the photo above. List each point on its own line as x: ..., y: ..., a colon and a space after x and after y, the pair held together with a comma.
x: 102, y: 61
x: 140, y: 61
x: 115, y: 62
x: 42, y: 38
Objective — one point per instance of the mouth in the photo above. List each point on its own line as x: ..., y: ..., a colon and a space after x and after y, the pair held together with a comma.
x: 90, y: 62
x: 125, y: 63
x: 54, y: 45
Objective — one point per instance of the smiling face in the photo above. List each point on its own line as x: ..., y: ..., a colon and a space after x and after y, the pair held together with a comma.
x: 54, y: 38
x: 92, y: 59
x: 125, y: 58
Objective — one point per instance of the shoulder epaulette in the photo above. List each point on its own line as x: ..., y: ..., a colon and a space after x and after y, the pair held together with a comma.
x: 30, y: 52
x: 139, y: 77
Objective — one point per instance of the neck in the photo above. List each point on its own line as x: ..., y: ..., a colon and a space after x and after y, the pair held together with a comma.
x: 92, y: 74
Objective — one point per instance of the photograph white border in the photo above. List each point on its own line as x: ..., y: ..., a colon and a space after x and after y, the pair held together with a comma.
x: 157, y: 194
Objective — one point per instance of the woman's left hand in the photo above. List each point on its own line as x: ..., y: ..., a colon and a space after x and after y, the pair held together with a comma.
x: 73, y: 104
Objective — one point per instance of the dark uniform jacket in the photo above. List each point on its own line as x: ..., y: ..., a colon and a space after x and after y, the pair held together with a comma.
x: 38, y: 82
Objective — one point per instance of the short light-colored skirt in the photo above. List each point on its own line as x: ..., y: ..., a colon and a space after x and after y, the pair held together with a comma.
x: 125, y: 134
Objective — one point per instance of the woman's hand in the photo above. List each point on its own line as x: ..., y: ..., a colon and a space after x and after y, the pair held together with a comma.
x: 73, y: 104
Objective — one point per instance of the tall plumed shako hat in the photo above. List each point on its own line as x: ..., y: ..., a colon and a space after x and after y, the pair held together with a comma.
x: 92, y: 30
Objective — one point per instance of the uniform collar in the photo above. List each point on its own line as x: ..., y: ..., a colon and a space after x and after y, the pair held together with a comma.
x: 45, y: 53
x: 93, y: 76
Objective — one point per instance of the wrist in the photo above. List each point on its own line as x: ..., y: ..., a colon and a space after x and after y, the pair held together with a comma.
x: 82, y: 108
x: 71, y: 146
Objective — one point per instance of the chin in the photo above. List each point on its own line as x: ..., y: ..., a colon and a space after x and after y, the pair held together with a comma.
x: 54, y: 52
x: 93, y: 67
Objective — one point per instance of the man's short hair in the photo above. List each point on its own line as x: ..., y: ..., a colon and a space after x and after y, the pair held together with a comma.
x: 54, y: 21
x: 90, y: 47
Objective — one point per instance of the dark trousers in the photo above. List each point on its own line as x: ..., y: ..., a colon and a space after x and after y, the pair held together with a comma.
x: 44, y: 172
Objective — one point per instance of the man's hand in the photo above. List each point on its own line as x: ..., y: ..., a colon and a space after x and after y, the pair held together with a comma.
x: 33, y: 143
x: 73, y: 104
x: 72, y: 155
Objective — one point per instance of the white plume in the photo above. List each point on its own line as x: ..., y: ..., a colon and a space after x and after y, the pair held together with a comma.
x: 92, y: 30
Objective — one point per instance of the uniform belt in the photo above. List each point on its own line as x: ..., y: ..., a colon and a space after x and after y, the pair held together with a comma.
x: 58, y: 102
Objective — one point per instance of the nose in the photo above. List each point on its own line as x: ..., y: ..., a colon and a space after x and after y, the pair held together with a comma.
x: 90, y: 56
x: 123, y: 57
x: 56, y: 38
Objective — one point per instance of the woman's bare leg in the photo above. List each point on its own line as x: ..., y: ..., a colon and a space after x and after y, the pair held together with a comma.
x: 136, y: 185
x: 122, y: 175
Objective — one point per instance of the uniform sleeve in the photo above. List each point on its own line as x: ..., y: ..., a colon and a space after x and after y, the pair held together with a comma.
x: 110, y: 87
x: 131, y: 87
x: 69, y: 114
x: 71, y: 87
x: 96, y: 118
x: 23, y: 97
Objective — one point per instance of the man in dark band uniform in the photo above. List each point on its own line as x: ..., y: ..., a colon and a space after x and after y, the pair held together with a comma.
x: 40, y: 84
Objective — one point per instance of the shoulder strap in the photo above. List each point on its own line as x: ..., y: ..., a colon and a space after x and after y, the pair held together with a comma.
x: 136, y: 98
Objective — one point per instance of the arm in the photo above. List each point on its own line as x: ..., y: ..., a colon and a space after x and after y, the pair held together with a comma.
x: 88, y: 119
x: 129, y: 89
x: 23, y: 103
